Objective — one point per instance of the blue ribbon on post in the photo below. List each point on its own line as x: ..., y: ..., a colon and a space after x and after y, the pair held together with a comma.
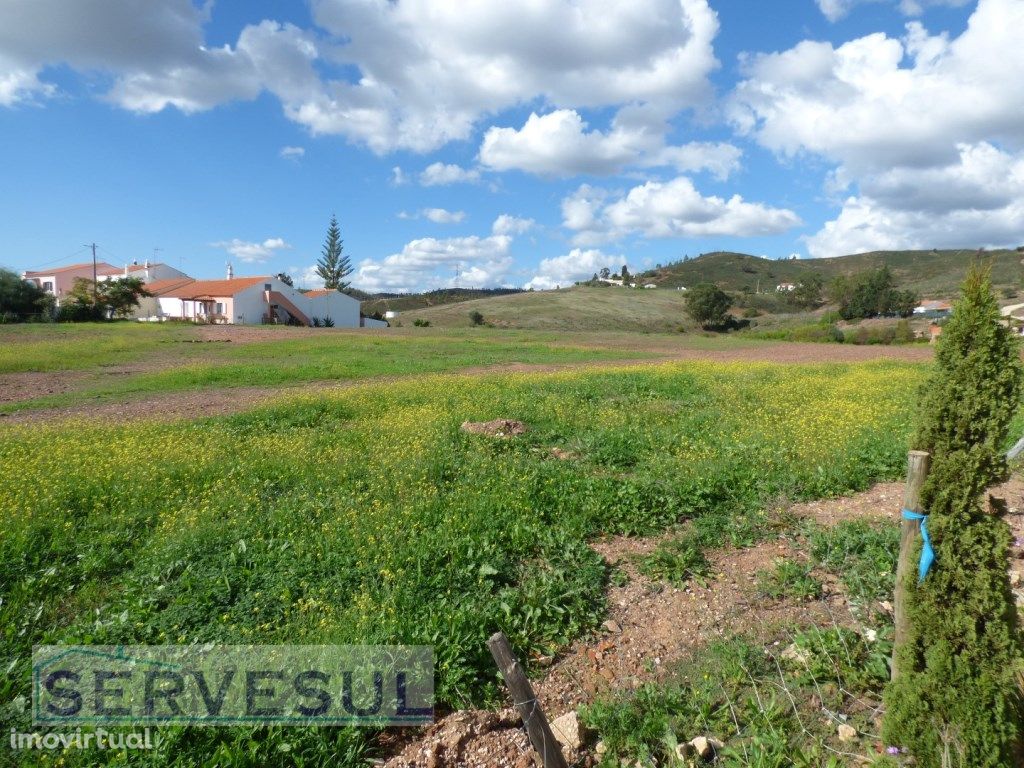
x: 927, y: 553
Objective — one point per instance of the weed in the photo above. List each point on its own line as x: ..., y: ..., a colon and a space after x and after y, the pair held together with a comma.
x: 676, y: 561
x: 789, y: 579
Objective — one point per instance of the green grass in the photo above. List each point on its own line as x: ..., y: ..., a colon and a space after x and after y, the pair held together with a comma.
x: 83, y: 346
x: 367, y: 516
x: 284, y: 358
x: 570, y: 309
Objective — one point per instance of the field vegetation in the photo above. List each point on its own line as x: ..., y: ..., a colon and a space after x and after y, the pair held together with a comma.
x: 366, y: 515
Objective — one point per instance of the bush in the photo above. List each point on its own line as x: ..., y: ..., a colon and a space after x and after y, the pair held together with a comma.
x: 21, y: 300
x: 707, y: 304
x: 957, y: 699
x: 476, y: 317
x: 421, y: 323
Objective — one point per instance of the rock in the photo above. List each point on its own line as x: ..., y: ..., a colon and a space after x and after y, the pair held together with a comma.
x: 600, y: 748
x: 495, y: 428
x: 568, y: 731
x: 886, y: 606
x: 794, y: 653
x: 1015, y: 578
x: 613, y: 626
x: 706, y: 747
x: 683, y: 751
x: 846, y: 732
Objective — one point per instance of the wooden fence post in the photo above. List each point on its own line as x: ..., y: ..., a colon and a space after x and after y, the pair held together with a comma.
x: 523, y: 697
x: 918, y: 463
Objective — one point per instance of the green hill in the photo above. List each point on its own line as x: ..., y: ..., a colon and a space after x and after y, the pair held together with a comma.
x: 933, y: 274
x: 570, y: 309
x: 403, y: 302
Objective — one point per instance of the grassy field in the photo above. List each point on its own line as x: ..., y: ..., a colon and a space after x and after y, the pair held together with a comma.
x: 118, y: 360
x: 570, y: 309
x: 366, y: 515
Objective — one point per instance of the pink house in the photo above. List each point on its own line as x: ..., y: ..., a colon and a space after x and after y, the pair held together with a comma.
x: 58, y: 281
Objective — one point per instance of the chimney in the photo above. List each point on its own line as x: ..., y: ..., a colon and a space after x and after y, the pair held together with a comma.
x: 147, y: 263
x: 126, y: 269
x: 231, y: 272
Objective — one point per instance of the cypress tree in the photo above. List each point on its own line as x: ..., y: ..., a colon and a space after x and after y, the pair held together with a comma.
x: 957, y: 701
x: 333, y: 267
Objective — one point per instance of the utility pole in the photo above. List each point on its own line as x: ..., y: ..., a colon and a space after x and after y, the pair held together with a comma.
x: 94, y: 280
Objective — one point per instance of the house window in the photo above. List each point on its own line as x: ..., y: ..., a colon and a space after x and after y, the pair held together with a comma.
x: 220, y: 308
x: 266, y: 286
x: 48, y: 286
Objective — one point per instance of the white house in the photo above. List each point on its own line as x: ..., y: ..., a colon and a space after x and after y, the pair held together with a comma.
x: 246, y: 301
x: 58, y: 281
x: 147, y: 272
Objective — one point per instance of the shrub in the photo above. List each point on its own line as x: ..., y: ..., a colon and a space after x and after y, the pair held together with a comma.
x: 327, y: 321
x: 957, y: 699
x: 419, y: 323
x: 707, y: 304
x: 476, y: 317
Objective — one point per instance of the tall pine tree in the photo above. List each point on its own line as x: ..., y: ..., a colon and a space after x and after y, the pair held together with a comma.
x: 333, y: 267
x: 956, y: 702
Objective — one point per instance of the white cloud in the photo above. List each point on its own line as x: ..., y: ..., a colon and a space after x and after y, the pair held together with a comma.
x: 506, y: 224
x: 429, y: 263
x: 442, y: 216
x: 427, y: 71
x: 834, y: 10
x: 559, y: 144
x: 252, y: 252
x: 292, y: 153
x: 576, y: 265
x: 398, y: 177
x: 440, y: 174
x: 925, y: 132
x: 976, y: 201
x: 668, y: 209
x: 876, y: 101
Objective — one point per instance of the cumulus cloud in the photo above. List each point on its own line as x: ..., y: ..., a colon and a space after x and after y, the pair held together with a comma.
x: 834, y: 10
x: 506, y: 224
x: 877, y: 101
x: 576, y: 265
x: 977, y: 200
x: 427, y: 72
x: 428, y: 263
x: 443, y: 216
x: 252, y: 252
x: 560, y: 144
x: 925, y: 132
x: 667, y: 209
x: 440, y: 174
x: 292, y: 153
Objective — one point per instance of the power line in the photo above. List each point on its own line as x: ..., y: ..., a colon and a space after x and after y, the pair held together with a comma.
x: 57, y: 261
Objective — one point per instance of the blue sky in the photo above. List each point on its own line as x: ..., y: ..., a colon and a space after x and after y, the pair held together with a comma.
x: 511, y: 144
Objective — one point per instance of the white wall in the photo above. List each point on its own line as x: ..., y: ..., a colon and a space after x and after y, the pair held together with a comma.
x: 341, y: 308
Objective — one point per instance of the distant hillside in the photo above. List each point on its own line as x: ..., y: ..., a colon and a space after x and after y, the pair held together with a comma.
x: 930, y: 273
x: 403, y: 302
x: 582, y: 308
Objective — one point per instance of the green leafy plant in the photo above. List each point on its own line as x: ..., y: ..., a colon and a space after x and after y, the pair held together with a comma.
x: 789, y: 579
x: 861, y: 555
x: 677, y: 561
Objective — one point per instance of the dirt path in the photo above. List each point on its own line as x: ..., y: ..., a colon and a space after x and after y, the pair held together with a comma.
x: 652, y: 626
x: 190, y: 404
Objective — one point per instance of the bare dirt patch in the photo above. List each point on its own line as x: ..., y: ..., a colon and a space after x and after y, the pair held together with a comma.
x: 30, y: 384
x: 494, y: 428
